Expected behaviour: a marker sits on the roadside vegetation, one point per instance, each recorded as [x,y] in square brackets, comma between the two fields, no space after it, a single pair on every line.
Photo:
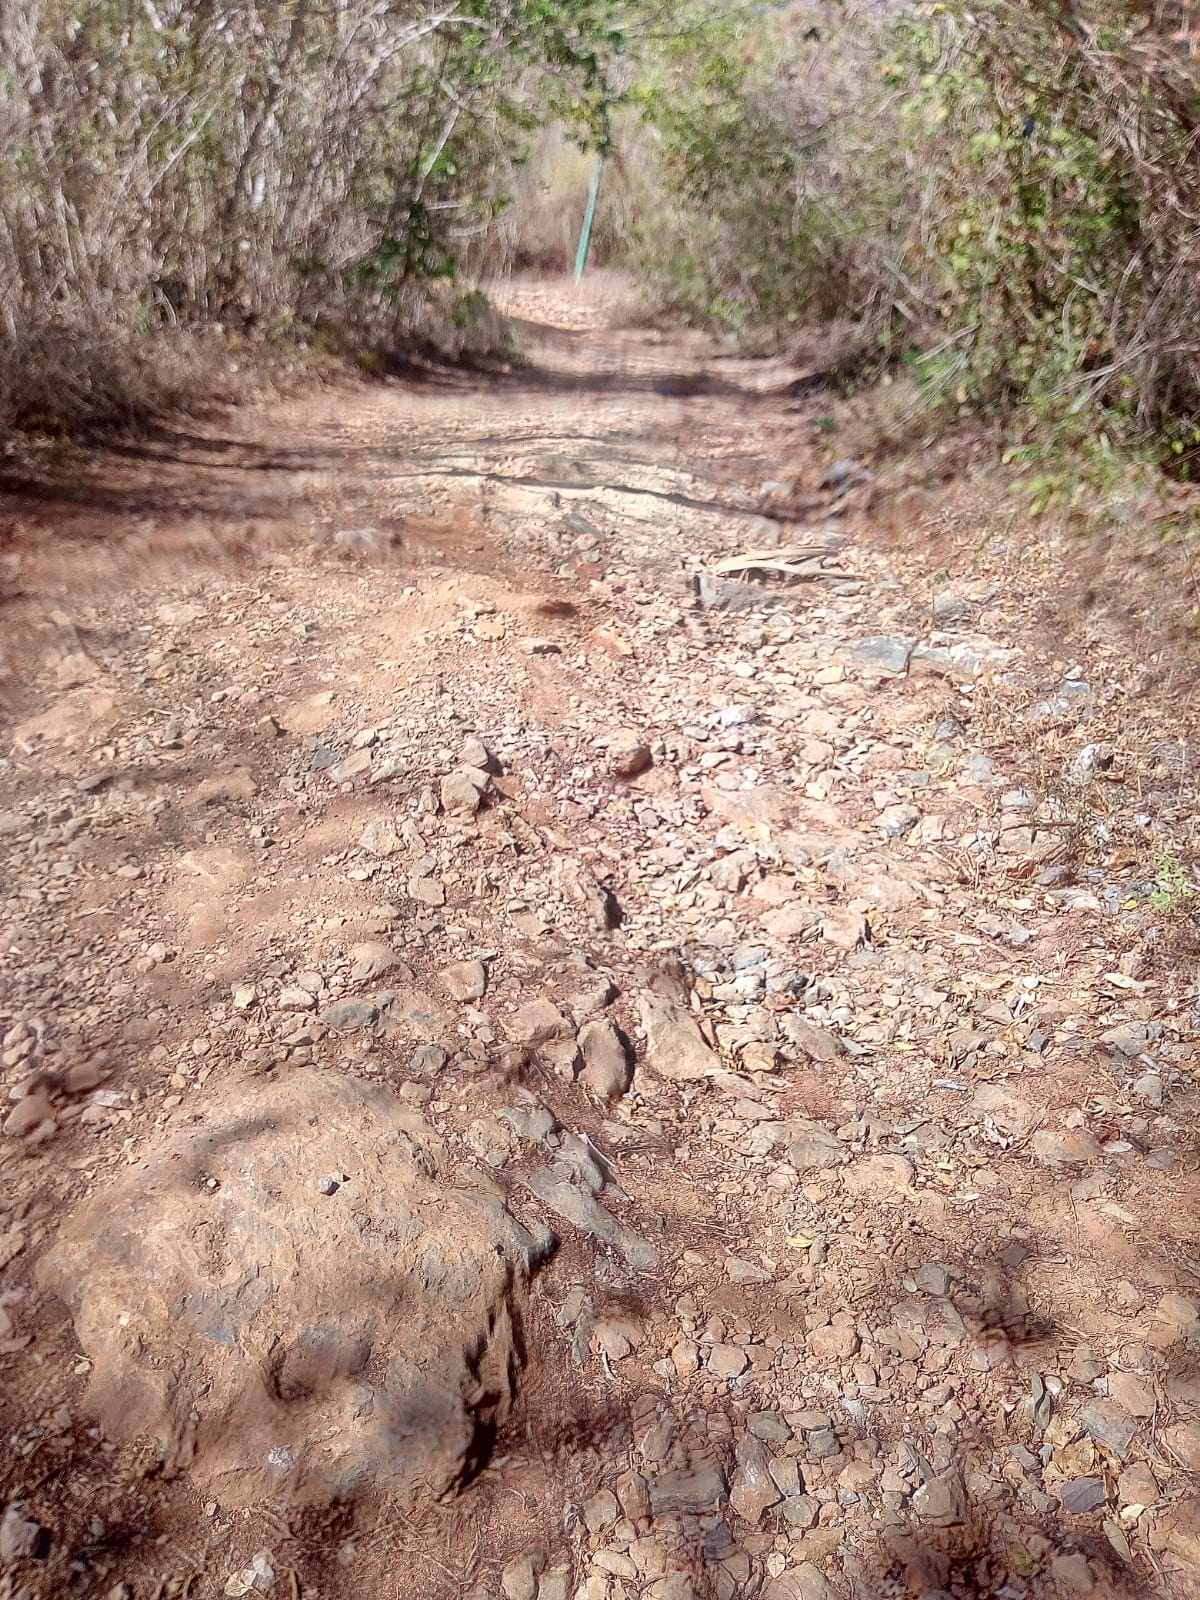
[291,172]
[999,204]
[1001,201]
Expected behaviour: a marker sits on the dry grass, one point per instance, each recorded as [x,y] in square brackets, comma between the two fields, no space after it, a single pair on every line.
[57,379]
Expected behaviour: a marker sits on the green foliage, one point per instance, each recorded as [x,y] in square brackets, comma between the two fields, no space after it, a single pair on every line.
[1174,892]
[771,192]
[1032,215]
[1007,193]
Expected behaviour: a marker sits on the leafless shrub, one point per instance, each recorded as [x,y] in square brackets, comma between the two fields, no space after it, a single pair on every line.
[280,168]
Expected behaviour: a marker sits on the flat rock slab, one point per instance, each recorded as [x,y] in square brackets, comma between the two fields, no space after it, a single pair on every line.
[557,1189]
[296,1299]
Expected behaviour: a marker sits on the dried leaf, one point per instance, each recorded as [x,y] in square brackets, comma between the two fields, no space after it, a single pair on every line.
[1021,1561]
[1074,1460]
[1116,1538]
[1062,1430]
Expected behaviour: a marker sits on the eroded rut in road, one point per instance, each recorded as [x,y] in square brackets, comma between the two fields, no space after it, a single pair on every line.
[544,1062]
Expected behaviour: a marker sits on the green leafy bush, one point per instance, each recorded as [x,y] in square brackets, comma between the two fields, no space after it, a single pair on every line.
[777,201]
[1058,151]
[1010,193]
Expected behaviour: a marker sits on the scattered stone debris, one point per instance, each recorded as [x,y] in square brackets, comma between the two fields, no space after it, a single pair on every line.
[791,944]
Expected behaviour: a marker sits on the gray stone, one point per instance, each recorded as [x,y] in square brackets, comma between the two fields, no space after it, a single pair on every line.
[1073,1148]
[1093,758]
[1137,1485]
[519,1580]
[673,1586]
[729,873]
[881,653]
[1107,1424]
[1073,1574]
[940,1500]
[294,998]
[1183,1442]
[538,1023]
[606,1070]
[462,791]
[801,1510]
[289,1365]
[769,1426]
[979,768]
[753,1490]
[20,1536]
[465,980]
[600,1512]
[476,754]
[1011,1114]
[29,1114]
[379,838]
[1132,1394]
[727,1360]
[352,1016]
[532,1123]
[822,1443]
[813,1147]
[948,608]
[675,1047]
[430,891]
[355,764]
[803,1582]
[1081,1495]
[585,1212]
[739,1271]
[898,820]
[371,960]
[1148,1089]
[694,1490]
[818,1044]
[628,753]
[932,1278]
[1178,1312]
[428,1060]
[555,1584]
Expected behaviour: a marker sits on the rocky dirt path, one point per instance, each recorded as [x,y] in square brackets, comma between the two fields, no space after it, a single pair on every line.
[544,1057]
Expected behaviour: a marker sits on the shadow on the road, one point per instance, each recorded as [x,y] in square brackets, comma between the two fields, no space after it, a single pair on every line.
[532,378]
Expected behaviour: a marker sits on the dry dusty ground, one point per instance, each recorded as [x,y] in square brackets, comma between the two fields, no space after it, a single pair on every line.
[882,1278]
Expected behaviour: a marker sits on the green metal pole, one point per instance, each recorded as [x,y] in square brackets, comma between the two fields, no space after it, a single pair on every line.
[585,238]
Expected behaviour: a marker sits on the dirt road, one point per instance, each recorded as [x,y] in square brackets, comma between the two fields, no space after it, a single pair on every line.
[800,941]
